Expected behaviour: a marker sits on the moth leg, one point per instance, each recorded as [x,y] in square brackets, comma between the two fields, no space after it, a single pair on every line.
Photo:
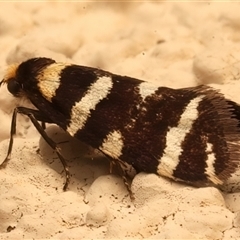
[23,111]
[40,117]
[36,113]
[35,116]
[10,145]
[121,168]
[43,125]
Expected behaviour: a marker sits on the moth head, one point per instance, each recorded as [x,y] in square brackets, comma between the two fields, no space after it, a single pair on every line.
[19,77]
[13,85]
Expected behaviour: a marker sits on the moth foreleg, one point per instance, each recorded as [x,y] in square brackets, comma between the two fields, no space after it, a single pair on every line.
[12,133]
[35,116]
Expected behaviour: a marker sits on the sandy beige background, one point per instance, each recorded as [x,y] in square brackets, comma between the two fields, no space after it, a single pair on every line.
[171,44]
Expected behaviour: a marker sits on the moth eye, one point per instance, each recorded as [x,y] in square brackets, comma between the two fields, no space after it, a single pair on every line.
[13,86]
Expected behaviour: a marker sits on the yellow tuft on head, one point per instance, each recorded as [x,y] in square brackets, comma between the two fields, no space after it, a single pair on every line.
[10,72]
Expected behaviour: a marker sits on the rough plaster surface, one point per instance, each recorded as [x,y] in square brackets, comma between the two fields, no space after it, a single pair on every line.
[171,44]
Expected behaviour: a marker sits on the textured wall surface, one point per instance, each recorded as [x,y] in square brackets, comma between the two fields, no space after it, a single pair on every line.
[171,44]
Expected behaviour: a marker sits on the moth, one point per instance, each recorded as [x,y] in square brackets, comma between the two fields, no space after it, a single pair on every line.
[188,134]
